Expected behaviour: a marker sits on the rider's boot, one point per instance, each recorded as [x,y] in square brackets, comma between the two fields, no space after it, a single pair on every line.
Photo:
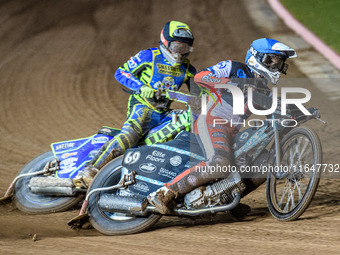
[109,151]
[85,177]
[163,199]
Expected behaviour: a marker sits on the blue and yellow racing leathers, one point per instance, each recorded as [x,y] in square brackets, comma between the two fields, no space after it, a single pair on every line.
[148,67]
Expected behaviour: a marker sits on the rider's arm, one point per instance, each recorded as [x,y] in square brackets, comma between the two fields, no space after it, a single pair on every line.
[218,73]
[129,74]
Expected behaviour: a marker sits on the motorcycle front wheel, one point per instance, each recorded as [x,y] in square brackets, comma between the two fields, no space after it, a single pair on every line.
[32,203]
[109,223]
[292,186]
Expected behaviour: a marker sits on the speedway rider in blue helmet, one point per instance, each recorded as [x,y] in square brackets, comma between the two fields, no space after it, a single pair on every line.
[266,58]
[166,67]
[265,61]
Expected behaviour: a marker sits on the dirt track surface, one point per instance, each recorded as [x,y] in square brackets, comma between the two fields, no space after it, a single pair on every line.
[56,79]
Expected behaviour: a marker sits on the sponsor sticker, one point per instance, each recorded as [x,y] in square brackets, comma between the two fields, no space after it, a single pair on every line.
[192,180]
[167,173]
[66,155]
[101,139]
[141,186]
[244,136]
[169,70]
[69,164]
[176,160]
[65,146]
[156,156]
[147,167]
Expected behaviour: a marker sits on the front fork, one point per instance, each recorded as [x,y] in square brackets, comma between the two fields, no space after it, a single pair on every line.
[276,171]
[277,143]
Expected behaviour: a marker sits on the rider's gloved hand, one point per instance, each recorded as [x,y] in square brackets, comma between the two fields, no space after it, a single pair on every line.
[315,112]
[146,91]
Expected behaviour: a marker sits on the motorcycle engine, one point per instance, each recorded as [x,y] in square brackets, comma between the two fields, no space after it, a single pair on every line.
[218,193]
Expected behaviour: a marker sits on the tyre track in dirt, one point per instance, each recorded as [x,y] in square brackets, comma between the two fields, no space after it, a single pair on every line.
[56,80]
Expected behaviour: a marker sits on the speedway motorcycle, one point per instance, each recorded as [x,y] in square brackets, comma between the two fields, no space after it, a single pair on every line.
[286,155]
[44,185]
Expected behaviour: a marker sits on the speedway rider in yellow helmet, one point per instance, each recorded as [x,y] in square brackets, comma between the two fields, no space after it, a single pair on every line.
[166,67]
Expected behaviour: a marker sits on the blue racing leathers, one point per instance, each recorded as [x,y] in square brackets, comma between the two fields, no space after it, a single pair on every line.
[150,68]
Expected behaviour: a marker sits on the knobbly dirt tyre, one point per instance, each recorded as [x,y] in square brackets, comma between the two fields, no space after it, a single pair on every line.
[31,203]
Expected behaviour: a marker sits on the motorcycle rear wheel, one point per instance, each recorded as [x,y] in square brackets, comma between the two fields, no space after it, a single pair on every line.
[32,203]
[114,223]
[289,196]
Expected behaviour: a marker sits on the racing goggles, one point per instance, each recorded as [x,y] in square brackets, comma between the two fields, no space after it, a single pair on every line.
[180,47]
[275,63]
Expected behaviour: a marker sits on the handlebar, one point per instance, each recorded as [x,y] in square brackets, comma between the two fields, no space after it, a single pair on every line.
[169,94]
[158,94]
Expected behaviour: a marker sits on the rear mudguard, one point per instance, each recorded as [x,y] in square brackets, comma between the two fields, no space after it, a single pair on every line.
[74,154]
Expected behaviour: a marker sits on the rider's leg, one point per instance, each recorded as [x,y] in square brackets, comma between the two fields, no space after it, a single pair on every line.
[169,131]
[215,141]
[136,126]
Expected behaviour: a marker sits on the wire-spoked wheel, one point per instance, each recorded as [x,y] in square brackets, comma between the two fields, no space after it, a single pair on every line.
[110,223]
[292,186]
[33,203]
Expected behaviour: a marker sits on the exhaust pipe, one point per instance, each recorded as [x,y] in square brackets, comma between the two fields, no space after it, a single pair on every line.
[125,204]
[140,207]
[53,186]
[50,166]
[210,210]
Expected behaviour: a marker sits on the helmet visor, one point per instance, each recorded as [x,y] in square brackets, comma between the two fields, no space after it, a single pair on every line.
[180,47]
[275,62]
